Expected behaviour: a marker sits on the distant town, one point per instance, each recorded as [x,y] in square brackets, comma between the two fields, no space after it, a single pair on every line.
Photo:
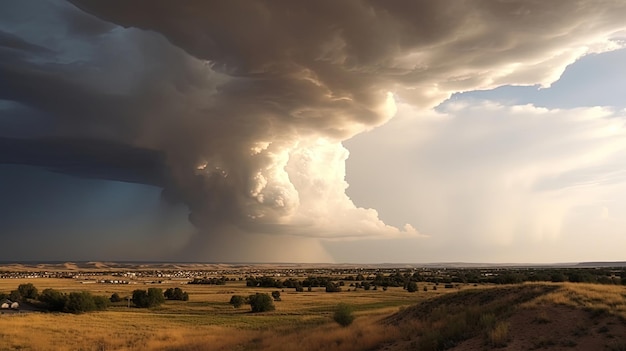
[603,273]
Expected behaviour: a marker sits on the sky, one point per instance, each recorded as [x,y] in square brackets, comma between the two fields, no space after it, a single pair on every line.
[313,131]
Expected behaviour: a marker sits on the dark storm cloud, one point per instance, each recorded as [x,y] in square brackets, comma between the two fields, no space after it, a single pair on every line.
[11,43]
[248,101]
[87,158]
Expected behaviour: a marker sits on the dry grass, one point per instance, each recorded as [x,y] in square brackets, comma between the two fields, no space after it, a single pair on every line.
[593,297]
[206,321]
[302,321]
[499,335]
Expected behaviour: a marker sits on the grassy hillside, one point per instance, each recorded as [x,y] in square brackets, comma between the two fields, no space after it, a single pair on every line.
[520,317]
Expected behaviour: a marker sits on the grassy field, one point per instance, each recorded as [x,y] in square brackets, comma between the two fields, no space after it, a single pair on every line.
[488,317]
[205,322]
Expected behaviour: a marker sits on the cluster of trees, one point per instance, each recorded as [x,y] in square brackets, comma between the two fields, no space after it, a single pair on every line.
[265,282]
[258,302]
[152,297]
[308,282]
[556,275]
[176,294]
[407,281]
[24,292]
[57,301]
[79,302]
[209,281]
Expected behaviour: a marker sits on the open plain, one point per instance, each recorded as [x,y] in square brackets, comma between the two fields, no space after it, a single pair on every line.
[459,316]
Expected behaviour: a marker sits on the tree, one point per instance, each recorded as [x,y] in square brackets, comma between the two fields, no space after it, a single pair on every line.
[80,302]
[115,298]
[276,295]
[53,299]
[101,302]
[411,286]
[332,287]
[261,303]
[15,295]
[343,315]
[237,301]
[176,294]
[27,291]
[146,299]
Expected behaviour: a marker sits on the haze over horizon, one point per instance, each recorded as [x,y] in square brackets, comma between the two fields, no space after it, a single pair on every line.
[313,131]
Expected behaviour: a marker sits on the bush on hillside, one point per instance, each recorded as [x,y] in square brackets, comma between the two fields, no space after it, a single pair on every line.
[343,315]
[261,303]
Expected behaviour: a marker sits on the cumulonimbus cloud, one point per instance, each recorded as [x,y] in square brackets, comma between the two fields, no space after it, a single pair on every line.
[248,102]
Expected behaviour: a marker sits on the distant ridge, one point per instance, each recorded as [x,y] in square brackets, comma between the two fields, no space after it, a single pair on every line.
[169,265]
[603,264]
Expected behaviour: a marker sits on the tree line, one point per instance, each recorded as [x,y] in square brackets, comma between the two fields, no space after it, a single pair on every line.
[80,302]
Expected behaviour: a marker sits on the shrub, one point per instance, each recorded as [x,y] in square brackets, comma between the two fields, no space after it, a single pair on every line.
[411,287]
[115,298]
[237,301]
[276,295]
[261,302]
[343,315]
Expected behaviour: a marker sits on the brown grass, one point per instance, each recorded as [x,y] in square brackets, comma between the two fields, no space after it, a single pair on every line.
[593,297]
[206,321]
[499,335]
[302,321]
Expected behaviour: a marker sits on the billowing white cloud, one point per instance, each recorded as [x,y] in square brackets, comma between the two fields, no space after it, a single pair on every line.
[510,183]
[249,103]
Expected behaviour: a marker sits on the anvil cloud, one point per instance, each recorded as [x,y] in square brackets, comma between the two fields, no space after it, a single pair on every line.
[239,110]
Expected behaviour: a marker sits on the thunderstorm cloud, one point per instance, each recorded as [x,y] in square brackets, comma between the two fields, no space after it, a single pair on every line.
[239,110]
